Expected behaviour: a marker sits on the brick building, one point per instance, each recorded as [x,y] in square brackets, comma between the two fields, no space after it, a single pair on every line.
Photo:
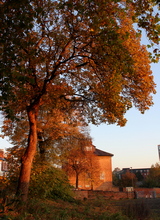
[103,169]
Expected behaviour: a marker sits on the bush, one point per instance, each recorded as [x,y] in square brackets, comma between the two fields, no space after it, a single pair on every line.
[50,183]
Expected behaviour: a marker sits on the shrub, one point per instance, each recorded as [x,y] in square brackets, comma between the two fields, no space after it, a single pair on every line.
[50,183]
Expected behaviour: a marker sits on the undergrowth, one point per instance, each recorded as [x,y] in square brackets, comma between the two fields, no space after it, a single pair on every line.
[40,209]
[96,209]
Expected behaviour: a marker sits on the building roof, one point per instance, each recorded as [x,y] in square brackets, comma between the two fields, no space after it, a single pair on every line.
[135,169]
[102,153]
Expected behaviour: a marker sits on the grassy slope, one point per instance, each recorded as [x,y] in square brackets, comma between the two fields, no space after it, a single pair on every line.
[98,209]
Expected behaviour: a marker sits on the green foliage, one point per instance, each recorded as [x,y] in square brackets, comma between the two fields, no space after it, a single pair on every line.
[50,183]
[116,181]
[139,176]
[116,177]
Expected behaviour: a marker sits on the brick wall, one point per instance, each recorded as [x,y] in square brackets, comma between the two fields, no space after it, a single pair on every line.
[116,195]
[88,194]
[157,190]
[110,195]
[81,194]
[105,167]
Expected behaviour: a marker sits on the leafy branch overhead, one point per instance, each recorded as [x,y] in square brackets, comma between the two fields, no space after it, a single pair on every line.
[85,45]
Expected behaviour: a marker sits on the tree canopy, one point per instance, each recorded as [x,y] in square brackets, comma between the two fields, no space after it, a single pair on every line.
[85,53]
[62,46]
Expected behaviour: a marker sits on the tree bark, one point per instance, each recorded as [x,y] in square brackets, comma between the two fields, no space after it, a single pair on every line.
[91,184]
[27,159]
[77,180]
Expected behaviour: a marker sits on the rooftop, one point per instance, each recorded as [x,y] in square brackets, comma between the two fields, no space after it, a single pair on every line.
[102,153]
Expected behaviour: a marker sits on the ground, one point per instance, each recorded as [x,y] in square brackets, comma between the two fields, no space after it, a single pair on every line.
[97,209]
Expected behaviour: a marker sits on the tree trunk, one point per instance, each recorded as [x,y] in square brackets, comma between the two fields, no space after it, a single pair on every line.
[91,184]
[28,156]
[77,180]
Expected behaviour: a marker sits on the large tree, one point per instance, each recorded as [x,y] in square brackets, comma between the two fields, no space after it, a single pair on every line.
[76,164]
[84,52]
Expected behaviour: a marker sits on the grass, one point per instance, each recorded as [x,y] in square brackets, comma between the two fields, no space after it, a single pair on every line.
[96,209]
[38,209]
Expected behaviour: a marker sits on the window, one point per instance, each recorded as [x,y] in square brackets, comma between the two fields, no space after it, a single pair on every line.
[4,166]
[88,148]
[102,176]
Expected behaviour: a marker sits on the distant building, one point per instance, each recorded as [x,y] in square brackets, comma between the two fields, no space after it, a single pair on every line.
[140,171]
[143,171]
[3,163]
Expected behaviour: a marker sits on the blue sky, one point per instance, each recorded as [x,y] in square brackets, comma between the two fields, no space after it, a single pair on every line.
[134,145]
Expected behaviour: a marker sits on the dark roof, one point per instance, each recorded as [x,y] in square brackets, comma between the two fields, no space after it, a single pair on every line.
[102,153]
[135,169]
